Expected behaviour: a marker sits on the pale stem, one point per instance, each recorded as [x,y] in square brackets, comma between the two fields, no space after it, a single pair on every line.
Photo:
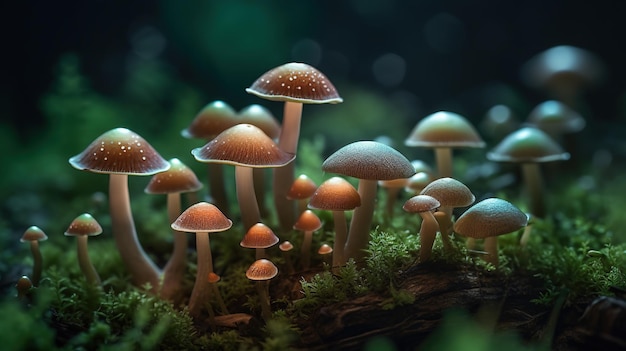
[523,241]
[245,196]
[428,232]
[444,218]
[263,287]
[534,187]
[218,296]
[491,247]
[141,268]
[341,233]
[359,233]
[174,270]
[37,262]
[259,190]
[443,155]
[306,249]
[84,262]
[200,295]
[217,188]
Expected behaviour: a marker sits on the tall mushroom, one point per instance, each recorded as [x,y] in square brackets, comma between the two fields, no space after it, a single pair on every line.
[424,205]
[443,131]
[176,180]
[295,84]
[202,218]
[368,161]
[487,220]
[307,223]
[33,235]
[121,152]
[82,227]
[529,146]
[245,147]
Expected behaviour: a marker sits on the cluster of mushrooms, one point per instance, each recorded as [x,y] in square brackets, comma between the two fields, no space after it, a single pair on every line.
[252,140]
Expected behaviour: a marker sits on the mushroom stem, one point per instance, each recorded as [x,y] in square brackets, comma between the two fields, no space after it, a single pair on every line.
[283,176]
[444,218]
[201,289]
[341,233]
[246,197]
[526,235]
[218,296]
[263,287]
[174,270]
[443,156]
[491,247]
[216,187]
[428,232]
[37,262]
[141,268]
[260,253]
[306,249]
[534,187]
[359,234]
[84,262]
[259,190]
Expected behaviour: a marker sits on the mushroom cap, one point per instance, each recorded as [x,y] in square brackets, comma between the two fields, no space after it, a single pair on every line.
[325,249]
[261,117]
[418,181]
[202,217]
[308,222]
[301,188]
[33,233]
[335,194]
[213,278]
[214,118]
[295,82]
[450,192]
[178,179]
[120,151]
[369,160]
[82,225]
[421,203]
[490,217]
[259,236]
[243,145]
[262,269]
[444,129]
[285,246]
[527,145]
[554,116]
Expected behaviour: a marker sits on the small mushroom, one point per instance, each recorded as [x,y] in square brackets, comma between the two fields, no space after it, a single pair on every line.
[325,251]
[308,222]
[301,190]
[33,235]
[82,227]
[259,237]
[23,286]
[424,205]
[262,271]
[285,247]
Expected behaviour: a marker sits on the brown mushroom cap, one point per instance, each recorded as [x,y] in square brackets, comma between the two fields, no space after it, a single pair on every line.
[295,82]
[285,246]
[308,221]
[556,117]
[213,119]
[120,151]
[261,117]
[243,145]
[490,217]
[178,179]
[325,249]
[202,217]
[369,160]
[82,225]
[301,188]
[262,269]
[335,194]
[259,236]
[449,192]
[421,203]
[527,145]
[33,233]
[444,129]
[213,278]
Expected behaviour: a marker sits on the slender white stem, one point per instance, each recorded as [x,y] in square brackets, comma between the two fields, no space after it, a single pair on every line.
[534,187]
[174,270]
[341,233]
[428,233]
[246,197]
[359,233]
[201,292]
[491,247]
[37,262]
[443,155]
[84,262]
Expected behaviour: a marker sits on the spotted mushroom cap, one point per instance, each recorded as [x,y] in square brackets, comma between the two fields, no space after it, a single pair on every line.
[449,192]
[243,145]
[527,145]
[335,194]
[262,269]
[369,160]
[82,225]
[421,203]
[202,217]
[444,129]
[554,116]
[33,233]
[178,179]
[214,118]
[120,151]
[295,82]
[490,217]
[259,236]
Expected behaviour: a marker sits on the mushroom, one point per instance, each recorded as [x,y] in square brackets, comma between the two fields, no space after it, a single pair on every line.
[214,118]
[487,220]
[325,251]
[23,286]
[450,193]
[176,180]
[499,121]
[369,161]
[308,222]
[424,205]
[259,237]
[285,247]
[33,235]
[262,271]
[556,118]
[82,227]
[245,147]
[202,218]
[295,84]
[301,190]
[529,146]
[444,131]
[121,152]
[337,195]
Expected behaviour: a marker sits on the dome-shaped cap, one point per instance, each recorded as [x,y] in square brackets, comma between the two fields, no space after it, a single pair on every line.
[335,194]
[285,246]
[243,145]
[296,82]
[529,145]
[490,217]
[556,117]
[259,236]
[33,233]
[449,192]
[308,221]
[369,160]
[261,117]
[178,179]
[120,151]
[444,129]
[82,225]
[202,217]
[325,249]
[262,269]
[213,119]
[421,203]
[301,188]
